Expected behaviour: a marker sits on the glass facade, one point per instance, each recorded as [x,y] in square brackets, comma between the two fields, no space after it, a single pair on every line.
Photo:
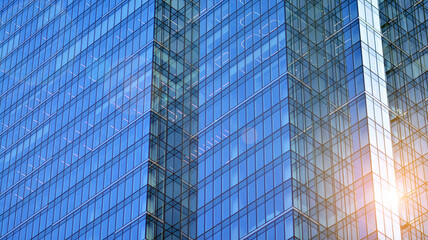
[213,119]
[405,40]
[244,164]
[76,93]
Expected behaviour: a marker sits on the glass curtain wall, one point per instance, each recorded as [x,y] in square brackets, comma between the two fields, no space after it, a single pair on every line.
[75,96]
[172,198]
[404,27]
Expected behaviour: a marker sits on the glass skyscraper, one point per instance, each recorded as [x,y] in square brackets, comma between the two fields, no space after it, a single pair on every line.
[214,119]
[405,46]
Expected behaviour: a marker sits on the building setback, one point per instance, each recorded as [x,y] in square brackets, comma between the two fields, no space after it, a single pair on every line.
[214,119]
